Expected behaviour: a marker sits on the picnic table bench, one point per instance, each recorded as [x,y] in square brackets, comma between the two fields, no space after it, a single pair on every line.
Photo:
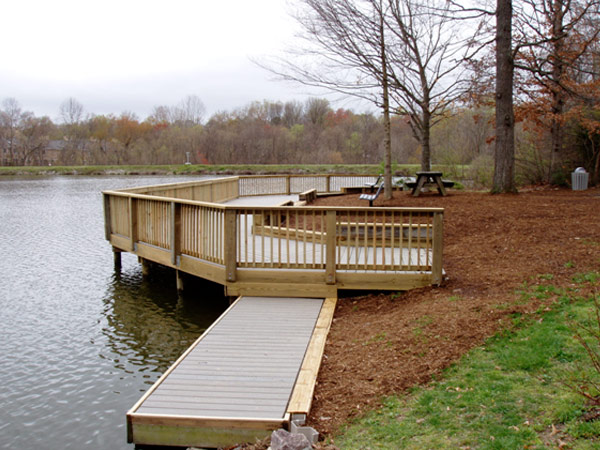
[429,179]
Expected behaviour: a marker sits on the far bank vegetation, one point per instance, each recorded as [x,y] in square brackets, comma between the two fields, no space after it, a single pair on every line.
[269,132]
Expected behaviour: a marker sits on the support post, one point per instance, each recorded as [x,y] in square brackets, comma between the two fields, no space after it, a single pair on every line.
[145,267]
[288,188]
[133,225]
[179,279]
[117,258]
[328,183]
[330,240]
[438,247]
[107,226]
[175,232]
[230,244]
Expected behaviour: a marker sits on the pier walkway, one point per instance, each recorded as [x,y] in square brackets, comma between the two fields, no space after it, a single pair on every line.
[245,376]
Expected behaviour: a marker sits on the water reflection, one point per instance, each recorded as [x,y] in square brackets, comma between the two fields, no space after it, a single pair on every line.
[149,324]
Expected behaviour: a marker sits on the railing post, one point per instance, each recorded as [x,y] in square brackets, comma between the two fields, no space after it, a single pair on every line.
[328,183]
[107,224]
[229,238]
[331,243]
[438,246]
[133,225]
[175,228]
[288,184]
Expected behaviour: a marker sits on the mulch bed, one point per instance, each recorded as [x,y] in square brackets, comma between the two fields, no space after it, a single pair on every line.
[384,343]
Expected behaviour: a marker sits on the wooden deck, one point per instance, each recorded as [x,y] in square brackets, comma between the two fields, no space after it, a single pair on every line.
[238,381]
[235,231]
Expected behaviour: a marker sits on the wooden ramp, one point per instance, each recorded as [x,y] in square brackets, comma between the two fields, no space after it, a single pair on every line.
[238,381]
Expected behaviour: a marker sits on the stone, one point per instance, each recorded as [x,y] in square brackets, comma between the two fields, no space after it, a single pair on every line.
[284,440]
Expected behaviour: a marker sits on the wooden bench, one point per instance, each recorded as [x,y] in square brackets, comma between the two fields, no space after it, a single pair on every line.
[308,196]
[371,197]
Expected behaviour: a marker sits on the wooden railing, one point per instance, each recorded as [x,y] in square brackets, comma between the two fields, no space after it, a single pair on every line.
[261,246]
[227,188]
[213,190]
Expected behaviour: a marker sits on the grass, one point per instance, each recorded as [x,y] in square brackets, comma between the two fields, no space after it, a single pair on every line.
[198,169]
[508,394]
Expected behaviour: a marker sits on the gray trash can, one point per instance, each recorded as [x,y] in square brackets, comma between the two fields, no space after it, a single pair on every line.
[579,179]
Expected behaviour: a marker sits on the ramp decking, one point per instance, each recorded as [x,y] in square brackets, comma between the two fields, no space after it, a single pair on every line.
[234,384]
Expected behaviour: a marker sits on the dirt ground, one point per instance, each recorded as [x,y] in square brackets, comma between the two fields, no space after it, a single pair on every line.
[384,343]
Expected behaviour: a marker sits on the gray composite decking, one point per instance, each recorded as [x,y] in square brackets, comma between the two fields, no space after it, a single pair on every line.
[245,366]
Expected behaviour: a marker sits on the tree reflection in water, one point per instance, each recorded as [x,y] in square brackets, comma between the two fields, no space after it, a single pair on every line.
[149,324]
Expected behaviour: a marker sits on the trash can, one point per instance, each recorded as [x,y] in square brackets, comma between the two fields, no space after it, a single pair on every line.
[579,179]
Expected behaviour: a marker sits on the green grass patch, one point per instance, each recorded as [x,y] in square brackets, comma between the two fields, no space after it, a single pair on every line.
[508,394]
[211,169]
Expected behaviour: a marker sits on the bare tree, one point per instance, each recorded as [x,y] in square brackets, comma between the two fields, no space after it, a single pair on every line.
[189,112]
[71,114]
[426,63]
[71,111]
[34,138]
[292,113]
[404,56]
[10,122]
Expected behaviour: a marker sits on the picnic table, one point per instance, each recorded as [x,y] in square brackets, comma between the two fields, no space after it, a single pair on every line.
[429,179]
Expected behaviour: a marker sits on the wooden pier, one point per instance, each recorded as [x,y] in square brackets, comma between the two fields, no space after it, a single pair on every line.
[276,250]
[246,376]
[256,367]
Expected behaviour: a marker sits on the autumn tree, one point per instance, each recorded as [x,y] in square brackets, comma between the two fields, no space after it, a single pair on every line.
[551,45]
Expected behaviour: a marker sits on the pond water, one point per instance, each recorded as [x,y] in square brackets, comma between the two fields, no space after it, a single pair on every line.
[80,342]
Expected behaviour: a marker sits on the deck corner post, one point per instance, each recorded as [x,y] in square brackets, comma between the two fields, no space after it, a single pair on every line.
[230,244]
[330,240]
[129,429]
[438,247]
[117,258]
[107,225]
[175,232]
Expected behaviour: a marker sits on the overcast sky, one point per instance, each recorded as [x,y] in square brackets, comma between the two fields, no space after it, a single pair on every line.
[131,55]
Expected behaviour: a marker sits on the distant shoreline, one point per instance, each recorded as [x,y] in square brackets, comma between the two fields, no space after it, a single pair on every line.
[217,169]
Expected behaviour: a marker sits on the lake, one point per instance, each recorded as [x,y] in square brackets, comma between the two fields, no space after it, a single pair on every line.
[81,342]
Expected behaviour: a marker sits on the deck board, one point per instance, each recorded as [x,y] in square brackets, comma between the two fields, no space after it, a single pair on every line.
[244,368]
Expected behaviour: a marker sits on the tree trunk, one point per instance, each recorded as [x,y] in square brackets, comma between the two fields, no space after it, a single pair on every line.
[388,189]
[425,142]
[504,154]
[557,92]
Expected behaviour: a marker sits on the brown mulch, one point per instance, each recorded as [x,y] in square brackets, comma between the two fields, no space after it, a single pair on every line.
[384,343]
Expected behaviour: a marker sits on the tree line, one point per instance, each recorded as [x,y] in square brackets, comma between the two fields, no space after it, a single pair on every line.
[272,132]
[266,132]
